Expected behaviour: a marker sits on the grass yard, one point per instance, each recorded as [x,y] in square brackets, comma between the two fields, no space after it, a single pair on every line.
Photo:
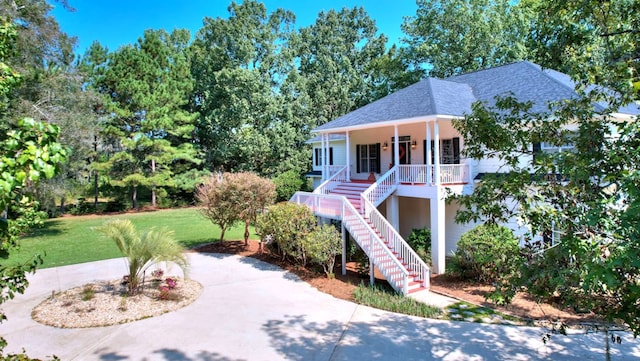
[72,240]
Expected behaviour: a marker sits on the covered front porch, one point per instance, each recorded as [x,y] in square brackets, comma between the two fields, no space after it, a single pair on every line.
[427,152]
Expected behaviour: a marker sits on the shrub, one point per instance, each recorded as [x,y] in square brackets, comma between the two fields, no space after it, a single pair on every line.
[115,205]
[322,246]
[220,199]
[232,197]
[287,184]
[487,253]
[286,224]
[420,241]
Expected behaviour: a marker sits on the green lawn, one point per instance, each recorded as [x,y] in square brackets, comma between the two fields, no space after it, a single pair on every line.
[73,240]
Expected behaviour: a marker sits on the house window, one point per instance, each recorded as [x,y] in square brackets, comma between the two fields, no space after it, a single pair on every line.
[318,156]
[368,158]
[449,151]
[551,148]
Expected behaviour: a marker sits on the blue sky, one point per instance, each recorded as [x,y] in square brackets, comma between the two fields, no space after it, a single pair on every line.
[118,22]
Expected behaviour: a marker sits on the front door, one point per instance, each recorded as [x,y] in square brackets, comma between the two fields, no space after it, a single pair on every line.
[404,150]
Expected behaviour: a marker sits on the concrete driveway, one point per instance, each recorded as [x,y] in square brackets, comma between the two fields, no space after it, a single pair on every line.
[251,310]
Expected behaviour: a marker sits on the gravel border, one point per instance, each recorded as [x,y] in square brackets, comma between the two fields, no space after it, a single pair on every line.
[105,303]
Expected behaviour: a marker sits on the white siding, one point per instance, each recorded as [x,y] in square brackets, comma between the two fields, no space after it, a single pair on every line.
[339,154]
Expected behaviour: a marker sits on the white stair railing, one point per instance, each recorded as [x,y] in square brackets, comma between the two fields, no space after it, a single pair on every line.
[374,247]
[382,188]
[370,199]
[327,186]
[395,242]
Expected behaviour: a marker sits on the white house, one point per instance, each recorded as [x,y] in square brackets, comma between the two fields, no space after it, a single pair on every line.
[402,154]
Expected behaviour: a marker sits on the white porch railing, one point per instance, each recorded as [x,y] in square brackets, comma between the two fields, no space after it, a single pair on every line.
[334,169]
[340,176]
[417,174]
[387,262]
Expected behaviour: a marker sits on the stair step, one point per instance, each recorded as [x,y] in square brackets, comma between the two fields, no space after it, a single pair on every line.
[418,289]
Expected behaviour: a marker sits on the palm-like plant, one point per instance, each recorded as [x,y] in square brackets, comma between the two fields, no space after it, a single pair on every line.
[143,250]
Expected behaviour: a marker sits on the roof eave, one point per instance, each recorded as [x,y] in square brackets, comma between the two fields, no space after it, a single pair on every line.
[389,123]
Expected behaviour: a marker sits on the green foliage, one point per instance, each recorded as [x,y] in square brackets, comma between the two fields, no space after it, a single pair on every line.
[590,194]
[322,246]
[285,226]
[487,253]
[29,152]
[143,251]
[146,89]
[386,299]
[287,184]
[436,41]
[420,241]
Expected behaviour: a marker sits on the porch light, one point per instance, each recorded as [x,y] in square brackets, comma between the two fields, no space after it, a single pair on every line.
[385,145]
[414,144]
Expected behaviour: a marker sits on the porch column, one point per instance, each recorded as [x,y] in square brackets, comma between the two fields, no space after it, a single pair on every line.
[436,152]
[325,154]
[344,248]
[437,232]
[321,154]
[348,160]
[396,145]
[393,211]
[428,162]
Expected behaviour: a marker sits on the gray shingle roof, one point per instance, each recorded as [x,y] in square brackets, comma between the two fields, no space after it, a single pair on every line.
[455,95]
[426,97]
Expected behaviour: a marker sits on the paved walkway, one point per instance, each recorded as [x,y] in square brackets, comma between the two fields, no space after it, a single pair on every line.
[250,310]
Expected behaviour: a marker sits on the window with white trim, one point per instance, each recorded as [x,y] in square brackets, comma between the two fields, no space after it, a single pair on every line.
[368,158]
[318,156]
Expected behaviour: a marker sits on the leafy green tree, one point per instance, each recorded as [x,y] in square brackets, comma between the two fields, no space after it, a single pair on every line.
[51,90]
[596,41]
[335,55]
[29,152]
[238,66]
[449,37]
[588,194]
[143,250]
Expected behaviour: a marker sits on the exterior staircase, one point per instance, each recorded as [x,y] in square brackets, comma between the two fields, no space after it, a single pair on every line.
[352,192]
[354,203]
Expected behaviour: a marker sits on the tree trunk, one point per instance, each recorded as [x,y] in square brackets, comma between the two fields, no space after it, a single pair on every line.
[153,185]
[246,232]
[95,190]
[222,233]
[95,175]
[134,196]
[62,199]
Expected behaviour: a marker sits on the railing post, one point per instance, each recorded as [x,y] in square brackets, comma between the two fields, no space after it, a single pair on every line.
[405,286]
[344,243]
